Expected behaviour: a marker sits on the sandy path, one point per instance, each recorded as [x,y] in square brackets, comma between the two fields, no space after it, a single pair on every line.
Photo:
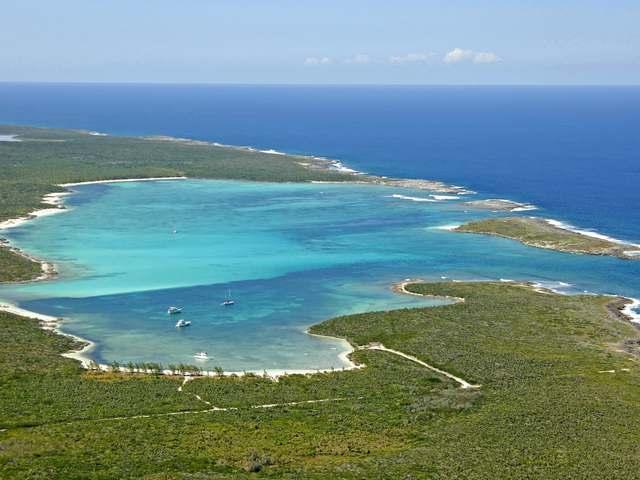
[378,346]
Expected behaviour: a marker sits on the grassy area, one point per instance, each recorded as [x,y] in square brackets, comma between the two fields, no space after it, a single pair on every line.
[33,167]
[16,268]
[544,410]
[536,232]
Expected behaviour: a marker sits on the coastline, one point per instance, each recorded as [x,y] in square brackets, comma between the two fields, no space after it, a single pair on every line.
[401,288]
[631,310]
[55,201]
[588,233]
[550,234]
[57,205]
[120,180]
[54,324]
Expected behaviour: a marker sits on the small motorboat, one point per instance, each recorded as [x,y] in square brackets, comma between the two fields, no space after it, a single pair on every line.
[202,356]
[172,310]
[183,323]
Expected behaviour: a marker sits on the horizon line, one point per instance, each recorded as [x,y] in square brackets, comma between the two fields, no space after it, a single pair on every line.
[304,84]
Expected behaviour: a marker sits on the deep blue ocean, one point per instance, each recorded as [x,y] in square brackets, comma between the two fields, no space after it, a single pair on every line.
[573,151]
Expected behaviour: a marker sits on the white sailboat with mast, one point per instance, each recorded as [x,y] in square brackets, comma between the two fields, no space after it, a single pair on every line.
[228,301]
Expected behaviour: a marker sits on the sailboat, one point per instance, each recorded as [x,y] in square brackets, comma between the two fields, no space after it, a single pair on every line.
[228,301]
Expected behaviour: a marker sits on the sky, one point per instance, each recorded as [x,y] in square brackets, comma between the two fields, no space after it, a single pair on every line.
[321,42]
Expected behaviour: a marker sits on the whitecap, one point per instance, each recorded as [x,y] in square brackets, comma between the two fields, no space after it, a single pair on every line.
[413,199]
[445,197]
[553,286]
[449,227]
[632,310]
[271,151]
[588,233]
[9,138]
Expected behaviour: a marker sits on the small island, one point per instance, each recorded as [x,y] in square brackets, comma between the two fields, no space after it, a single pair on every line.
[542,233]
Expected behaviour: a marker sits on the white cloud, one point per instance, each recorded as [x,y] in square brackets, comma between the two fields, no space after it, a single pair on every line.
[317,61]
[412,58]
[486,57]
[458,55]
[360,58]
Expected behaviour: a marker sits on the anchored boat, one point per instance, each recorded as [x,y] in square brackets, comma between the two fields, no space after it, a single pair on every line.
[228,301]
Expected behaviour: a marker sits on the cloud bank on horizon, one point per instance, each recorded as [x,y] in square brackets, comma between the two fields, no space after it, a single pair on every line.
[457,55]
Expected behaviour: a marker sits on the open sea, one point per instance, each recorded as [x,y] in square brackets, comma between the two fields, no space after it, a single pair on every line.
[293,255]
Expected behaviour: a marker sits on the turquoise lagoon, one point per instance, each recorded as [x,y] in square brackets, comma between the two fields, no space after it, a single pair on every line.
[292,255]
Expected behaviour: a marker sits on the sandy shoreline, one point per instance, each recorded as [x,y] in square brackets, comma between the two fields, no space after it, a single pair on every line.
[401,287]
[50,323]
[120,180]
[56,202]
[47,322]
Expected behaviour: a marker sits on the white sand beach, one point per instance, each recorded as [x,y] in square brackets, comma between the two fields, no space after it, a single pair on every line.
[48,322]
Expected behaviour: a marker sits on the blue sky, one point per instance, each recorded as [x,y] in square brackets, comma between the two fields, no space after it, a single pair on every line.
[348,41]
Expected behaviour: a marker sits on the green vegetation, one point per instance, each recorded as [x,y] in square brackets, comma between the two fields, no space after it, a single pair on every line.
[44,158]
[537,232]
[17,268]
[549,405]
[47,157]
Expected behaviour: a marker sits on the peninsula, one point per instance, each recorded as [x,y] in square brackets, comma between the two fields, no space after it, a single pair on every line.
[542,233]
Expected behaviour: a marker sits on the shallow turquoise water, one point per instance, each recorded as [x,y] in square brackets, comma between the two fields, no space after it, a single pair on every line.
[292,255]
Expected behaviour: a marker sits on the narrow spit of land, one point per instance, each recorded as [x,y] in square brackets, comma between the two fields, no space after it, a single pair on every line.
[541,233]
